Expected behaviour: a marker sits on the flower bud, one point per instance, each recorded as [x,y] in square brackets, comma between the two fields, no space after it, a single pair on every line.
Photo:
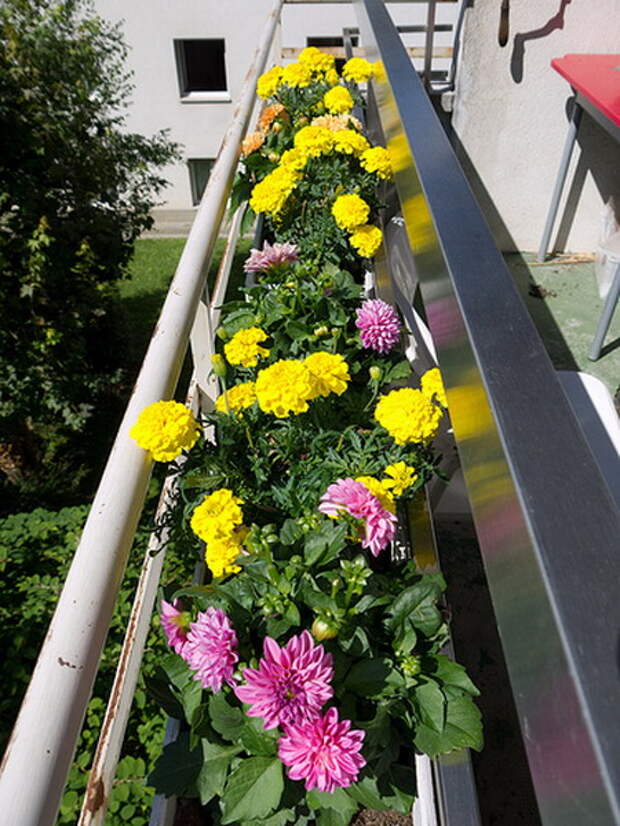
[375,373]
[323,630]
[321,331]
[218,365]
[273,157]
[276,127]
[222,333]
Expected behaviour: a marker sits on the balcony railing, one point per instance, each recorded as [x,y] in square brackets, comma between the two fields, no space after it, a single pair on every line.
[546,523]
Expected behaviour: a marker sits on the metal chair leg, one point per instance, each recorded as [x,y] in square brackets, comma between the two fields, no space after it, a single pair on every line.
[606,316]
[571,136]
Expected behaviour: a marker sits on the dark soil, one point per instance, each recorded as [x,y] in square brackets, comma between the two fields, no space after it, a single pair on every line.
[368,817]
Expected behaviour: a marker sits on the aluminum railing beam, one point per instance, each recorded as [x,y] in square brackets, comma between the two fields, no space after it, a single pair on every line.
[39,754]
[546,522]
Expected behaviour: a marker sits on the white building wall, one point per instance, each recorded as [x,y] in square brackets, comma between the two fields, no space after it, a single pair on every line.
[510,117]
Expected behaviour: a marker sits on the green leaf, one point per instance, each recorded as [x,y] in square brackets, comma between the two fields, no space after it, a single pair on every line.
[369,678]
[256,740]
[401,780]
[297,330]
[177,768]
[212,777]
[366,793]
[191,696]
[325,543]
[158,686]
[431,705]
[226,720]
[463,729]
[451,673]
[253,789]
[337,803]
[416,605]
[290,532]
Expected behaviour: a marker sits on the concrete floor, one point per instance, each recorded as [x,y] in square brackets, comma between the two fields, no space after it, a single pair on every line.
[562,297]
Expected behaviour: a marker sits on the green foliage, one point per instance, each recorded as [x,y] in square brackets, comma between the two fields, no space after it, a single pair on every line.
[76,190]
[35,553]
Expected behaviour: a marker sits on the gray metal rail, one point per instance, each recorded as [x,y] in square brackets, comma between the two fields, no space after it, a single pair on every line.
[548,528]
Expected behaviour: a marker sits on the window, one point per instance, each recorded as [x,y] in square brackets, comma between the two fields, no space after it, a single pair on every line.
[199,171]
[201,69]
[322,42]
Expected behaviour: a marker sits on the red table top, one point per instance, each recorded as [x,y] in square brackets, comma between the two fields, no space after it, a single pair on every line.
[596,77]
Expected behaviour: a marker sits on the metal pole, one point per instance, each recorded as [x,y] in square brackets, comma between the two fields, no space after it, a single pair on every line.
[39,754]
[428,45]
[571,136]
[606,316]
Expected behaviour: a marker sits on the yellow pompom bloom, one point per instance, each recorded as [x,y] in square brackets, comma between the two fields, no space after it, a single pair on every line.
[270,194]
[236,398]
[315,60]
[268,83]
[338,100]
[244,347]
[330,373]
[350,142]
[165,429]
[432,387]
[293,159]
[366,240]
[296,75]
[221,554]
[377,160]
[217,516]
[336,123]
[357,70]
[331,77]
[401,476]
[313,141]
[350,211]
[379,490]
[408,416]
[284,388]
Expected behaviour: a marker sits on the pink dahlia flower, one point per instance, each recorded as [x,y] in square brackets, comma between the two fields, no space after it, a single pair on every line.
[290,685]
[271,257]
[355,498]
[378,325]
[175,624]
[211,649]
[324,752]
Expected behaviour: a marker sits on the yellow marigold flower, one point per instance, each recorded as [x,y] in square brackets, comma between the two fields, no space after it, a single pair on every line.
[336,123]
[316,60]
[296,75]
[331,77]
[401,477]
[432,387]
[284,388]
[244,347]
[408,416]
[350,211]
[313,141]
[250,144]
[350,142]
[236,398]
[357,70]
[268,115]
[366,240]
[221,554]
[268,83]
[330,373]
[217,516]
[294,159]
[338,100]
[270,194]
[377,159]
[165,429]
[378,489]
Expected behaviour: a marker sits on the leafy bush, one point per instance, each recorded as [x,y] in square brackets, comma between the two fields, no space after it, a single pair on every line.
[35,552]
[75,192]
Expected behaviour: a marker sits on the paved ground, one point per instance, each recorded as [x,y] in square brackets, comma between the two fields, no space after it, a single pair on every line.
[563,299]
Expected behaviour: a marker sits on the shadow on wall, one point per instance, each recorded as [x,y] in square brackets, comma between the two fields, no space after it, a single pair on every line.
[596,147]
[518,46]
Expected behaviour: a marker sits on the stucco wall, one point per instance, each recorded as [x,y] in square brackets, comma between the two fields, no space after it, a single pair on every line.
[510,119]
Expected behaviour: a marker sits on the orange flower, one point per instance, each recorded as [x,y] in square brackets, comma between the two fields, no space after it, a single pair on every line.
[252,143]
[268,115]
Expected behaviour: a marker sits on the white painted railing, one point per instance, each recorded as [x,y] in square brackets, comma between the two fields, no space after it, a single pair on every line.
[39,754]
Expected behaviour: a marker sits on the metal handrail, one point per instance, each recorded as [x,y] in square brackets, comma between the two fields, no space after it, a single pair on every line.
[546,522]
[39,754]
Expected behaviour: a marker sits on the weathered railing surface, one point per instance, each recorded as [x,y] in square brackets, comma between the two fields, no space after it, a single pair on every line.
[547,526]
[41,749]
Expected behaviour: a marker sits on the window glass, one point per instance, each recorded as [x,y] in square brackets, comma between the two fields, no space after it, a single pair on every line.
[199,171]
[201,66]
